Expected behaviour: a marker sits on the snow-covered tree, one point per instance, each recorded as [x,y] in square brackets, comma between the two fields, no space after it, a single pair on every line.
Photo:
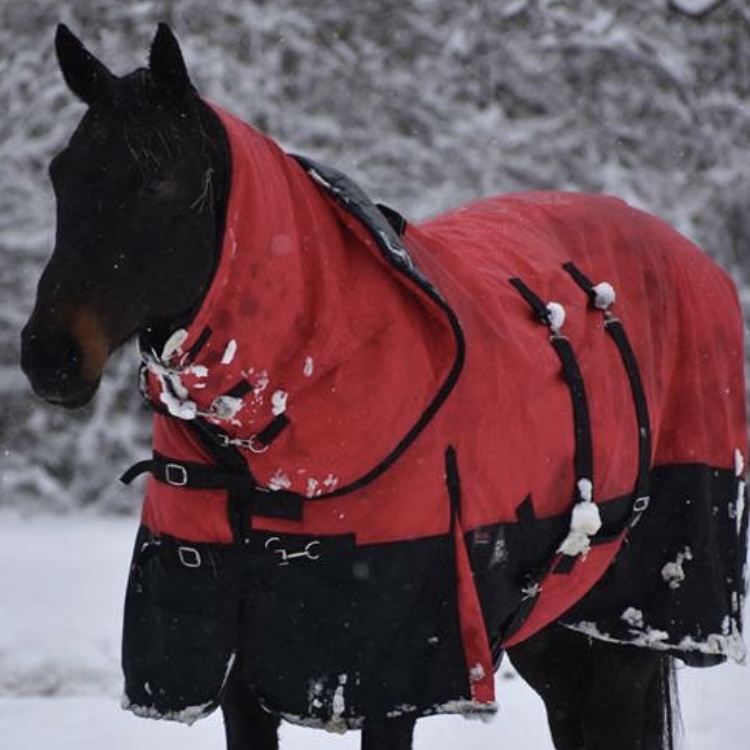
[427,103]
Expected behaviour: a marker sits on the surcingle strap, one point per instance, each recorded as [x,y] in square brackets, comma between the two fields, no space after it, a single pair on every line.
[552,314]
[585,519]
[602,297]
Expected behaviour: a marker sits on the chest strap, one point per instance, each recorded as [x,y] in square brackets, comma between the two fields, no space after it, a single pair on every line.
[258,500]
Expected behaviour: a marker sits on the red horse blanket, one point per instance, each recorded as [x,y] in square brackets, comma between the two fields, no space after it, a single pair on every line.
[383,453]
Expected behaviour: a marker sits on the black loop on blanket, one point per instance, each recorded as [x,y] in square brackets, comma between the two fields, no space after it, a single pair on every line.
[584,452]
[616,330]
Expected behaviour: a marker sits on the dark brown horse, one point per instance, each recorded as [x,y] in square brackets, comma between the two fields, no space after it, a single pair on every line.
[142,190]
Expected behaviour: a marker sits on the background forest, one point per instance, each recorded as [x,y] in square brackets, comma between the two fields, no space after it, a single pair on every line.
[427,103]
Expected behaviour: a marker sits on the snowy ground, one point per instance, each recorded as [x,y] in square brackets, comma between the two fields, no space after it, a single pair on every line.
[61,584]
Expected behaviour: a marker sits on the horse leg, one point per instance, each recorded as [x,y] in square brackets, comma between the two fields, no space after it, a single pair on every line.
[598,695]
[631,699]
[247,725]
[391,734]
[556,664]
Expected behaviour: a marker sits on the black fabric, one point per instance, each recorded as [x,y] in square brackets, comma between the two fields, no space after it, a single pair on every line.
[395,219]
[634,601]
[509,561]
[291,606]
[180,627]
[379,624]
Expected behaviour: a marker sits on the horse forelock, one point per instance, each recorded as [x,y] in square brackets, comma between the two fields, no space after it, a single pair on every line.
[140,117]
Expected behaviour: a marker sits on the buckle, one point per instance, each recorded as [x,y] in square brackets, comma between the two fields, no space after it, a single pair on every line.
[189,557]
[641,503]
[176,475]
[250,443]
[639,506]
[311,550]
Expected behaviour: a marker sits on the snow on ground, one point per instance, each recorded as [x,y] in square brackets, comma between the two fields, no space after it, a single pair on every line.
[61,586]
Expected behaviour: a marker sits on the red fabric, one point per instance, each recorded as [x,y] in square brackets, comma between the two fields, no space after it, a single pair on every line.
[360,350]
[473,633]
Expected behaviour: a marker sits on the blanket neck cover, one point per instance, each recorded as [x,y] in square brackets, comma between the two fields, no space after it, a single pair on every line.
[381,457]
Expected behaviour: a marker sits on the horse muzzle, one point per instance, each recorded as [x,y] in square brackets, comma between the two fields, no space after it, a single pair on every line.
[64,365]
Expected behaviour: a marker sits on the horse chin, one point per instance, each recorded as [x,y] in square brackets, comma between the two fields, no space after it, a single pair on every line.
[72,398]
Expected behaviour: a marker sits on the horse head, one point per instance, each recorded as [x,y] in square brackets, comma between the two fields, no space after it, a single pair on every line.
[140,191]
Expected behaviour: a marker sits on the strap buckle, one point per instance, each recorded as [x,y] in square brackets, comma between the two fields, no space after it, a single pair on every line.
[311,550]
[189,557]
[175,475]
[640,504]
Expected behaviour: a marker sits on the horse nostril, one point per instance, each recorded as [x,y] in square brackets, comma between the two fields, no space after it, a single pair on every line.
[70,357]
[50,359]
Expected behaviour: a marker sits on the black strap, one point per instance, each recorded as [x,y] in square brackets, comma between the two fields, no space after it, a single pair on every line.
[534,301]
[616,330]
[272,430]
[584,454]
[200,342]
[239,509]
[256,443]
[453,482]
[239,389]
[195,476]
[583,459]
[582,280]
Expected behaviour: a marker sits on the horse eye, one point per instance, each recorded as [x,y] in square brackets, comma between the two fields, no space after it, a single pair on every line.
[158,186]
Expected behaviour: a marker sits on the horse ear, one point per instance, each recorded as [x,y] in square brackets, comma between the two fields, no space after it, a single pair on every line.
[166,62]
[86,77]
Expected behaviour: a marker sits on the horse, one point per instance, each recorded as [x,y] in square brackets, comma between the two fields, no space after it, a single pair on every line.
[261,556]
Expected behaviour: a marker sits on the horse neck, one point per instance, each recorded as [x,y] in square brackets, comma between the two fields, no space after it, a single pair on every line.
[289,275]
